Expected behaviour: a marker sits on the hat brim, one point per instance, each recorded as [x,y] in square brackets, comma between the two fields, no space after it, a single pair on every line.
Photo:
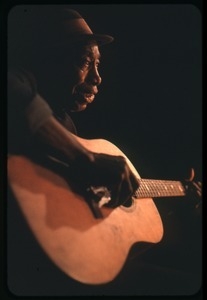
[100,39]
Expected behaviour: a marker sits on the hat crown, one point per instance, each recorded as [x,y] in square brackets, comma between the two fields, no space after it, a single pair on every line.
[74,24]
[50,25]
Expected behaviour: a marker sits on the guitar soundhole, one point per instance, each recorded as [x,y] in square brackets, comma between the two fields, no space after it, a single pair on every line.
[129,205]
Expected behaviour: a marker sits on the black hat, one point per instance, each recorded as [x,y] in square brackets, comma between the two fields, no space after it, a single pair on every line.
[76,28]
[50,26]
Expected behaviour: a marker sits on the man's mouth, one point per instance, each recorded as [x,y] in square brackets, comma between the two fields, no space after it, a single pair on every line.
[81,100]
[89,98]
[86,98]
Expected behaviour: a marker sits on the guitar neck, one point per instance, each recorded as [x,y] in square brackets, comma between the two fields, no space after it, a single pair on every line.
[159,188]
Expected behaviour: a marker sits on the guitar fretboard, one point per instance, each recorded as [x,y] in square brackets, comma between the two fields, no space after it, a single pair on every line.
[159,188]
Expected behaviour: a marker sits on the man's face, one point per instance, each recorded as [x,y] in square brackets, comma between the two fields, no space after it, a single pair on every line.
[86,79]
[70,80]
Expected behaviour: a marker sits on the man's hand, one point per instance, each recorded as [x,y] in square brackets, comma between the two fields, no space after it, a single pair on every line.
[106,170]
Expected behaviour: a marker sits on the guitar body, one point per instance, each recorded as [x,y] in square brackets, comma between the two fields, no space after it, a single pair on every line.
[88,249]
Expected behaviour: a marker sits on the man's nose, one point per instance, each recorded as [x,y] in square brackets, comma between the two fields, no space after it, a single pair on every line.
[94,76]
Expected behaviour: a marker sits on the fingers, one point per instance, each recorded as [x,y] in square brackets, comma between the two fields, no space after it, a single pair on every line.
[192,174]
[112,172]
[124,190]
[197,186]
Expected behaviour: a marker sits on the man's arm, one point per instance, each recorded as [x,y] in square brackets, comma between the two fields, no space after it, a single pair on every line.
[56,136]
[89,168]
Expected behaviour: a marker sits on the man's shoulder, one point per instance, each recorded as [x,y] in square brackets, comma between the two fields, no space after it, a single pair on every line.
[21,82]
[16,73]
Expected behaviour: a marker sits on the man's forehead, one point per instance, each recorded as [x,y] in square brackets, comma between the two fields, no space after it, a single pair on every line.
[91,50]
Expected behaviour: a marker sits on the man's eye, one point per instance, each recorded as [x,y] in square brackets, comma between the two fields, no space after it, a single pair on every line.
[85,63]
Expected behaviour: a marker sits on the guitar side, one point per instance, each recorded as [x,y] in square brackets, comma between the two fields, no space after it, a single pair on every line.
[87,249]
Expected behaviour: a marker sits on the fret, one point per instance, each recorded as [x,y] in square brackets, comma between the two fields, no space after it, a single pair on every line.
[159,188]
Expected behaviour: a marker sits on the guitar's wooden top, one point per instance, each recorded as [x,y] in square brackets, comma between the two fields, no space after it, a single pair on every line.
[89,250]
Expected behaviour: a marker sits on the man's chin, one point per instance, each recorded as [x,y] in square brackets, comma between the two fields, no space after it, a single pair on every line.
[78,107]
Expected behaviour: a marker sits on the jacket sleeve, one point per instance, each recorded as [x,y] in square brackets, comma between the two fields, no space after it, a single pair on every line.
[26,109]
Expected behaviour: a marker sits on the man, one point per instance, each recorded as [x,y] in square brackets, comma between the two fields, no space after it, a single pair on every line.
[53,73]
[52,77]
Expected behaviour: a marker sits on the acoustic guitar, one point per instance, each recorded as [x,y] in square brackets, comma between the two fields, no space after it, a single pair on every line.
[87,248]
